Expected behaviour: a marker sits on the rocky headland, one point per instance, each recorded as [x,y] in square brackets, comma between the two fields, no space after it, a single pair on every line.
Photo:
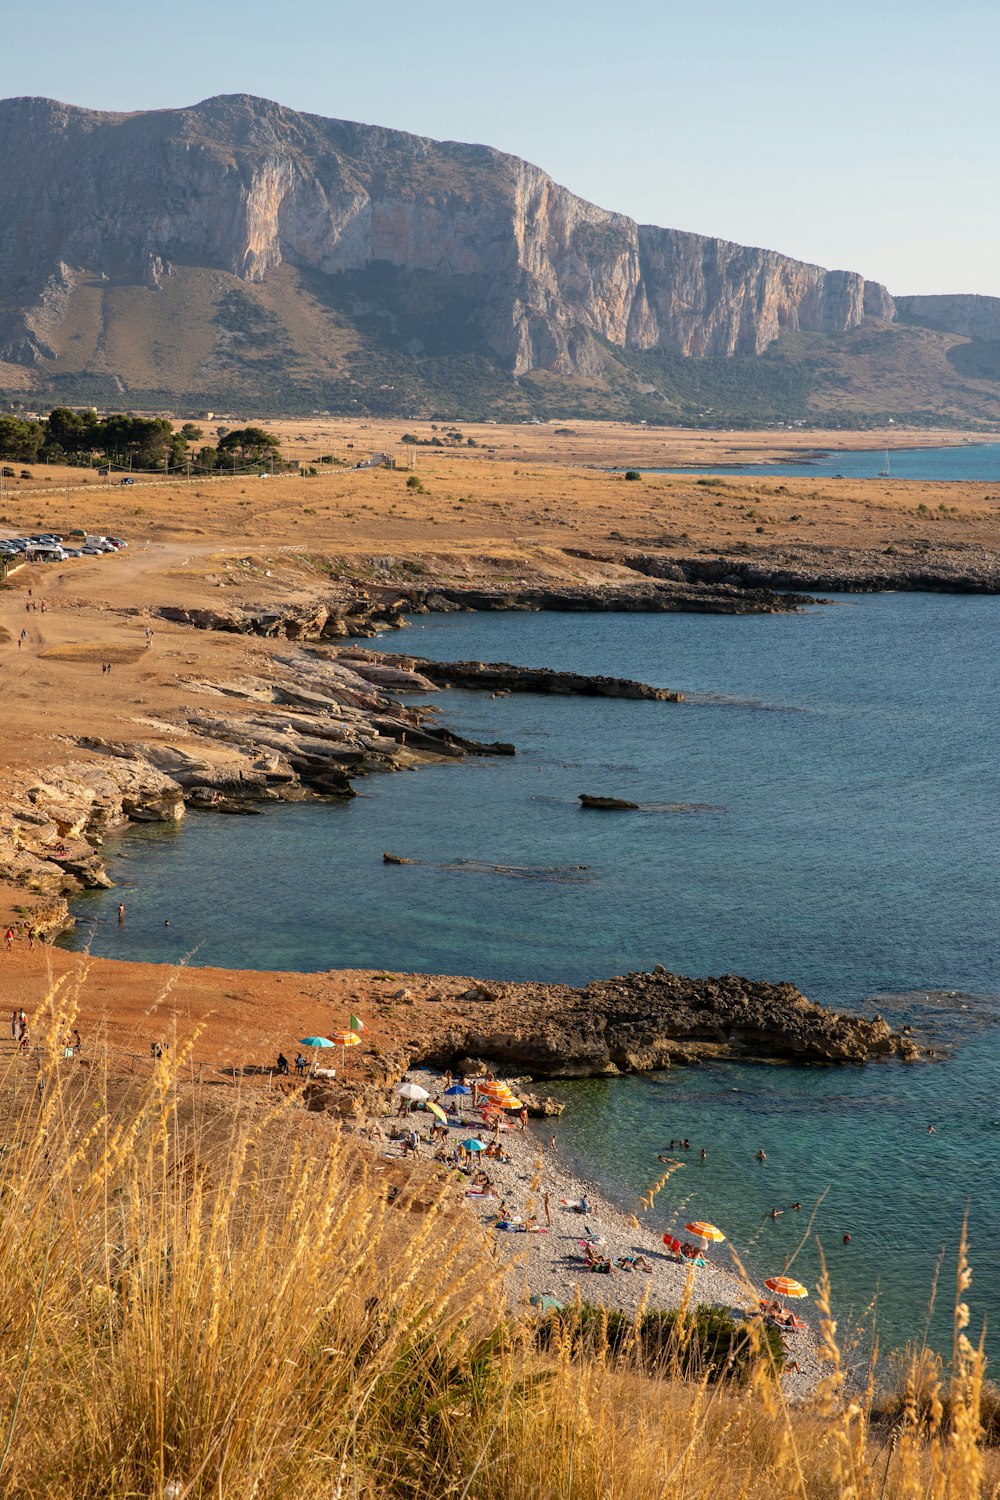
[634,1023]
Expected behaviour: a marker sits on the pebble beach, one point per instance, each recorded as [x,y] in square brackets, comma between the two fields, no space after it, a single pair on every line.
[549,1263]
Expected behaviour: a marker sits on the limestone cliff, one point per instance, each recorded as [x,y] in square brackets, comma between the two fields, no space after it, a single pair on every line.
[92,202]
[971,316]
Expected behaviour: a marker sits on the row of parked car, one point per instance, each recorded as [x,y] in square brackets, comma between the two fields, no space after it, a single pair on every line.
[48,547]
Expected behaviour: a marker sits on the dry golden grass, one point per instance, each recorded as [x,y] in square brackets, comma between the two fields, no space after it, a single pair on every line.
[229,1305]
[89,653]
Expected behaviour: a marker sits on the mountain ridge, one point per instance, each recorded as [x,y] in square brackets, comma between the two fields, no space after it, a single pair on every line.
[348,260]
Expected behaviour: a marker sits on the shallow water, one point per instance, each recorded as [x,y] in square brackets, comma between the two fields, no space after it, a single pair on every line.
[972,461]
[838,773]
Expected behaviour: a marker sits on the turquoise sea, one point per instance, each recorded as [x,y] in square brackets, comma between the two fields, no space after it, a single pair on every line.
[837,780]
[974,461]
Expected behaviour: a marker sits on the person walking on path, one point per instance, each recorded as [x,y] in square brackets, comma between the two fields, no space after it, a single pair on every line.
[8,939]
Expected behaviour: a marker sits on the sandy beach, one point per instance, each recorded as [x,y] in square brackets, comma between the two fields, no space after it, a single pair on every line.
[550,1263]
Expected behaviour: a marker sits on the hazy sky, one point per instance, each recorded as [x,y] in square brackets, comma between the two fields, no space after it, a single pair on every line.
[859,135]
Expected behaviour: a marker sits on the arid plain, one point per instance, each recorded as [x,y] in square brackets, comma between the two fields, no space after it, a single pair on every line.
[517,508]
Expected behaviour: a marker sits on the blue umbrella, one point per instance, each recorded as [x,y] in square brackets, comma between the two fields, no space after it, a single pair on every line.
[315,1041]
[473,1145]
[457,1088]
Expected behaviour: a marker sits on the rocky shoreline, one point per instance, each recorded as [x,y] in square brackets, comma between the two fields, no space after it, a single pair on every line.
[633,1023]
[640,1022]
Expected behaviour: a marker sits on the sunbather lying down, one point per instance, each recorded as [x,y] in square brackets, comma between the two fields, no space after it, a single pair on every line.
[635,1262]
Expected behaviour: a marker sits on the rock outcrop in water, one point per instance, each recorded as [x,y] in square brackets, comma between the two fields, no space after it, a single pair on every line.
[639,1023]
[502,677]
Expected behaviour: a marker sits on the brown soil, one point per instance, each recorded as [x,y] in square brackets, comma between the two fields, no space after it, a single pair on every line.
[507,515]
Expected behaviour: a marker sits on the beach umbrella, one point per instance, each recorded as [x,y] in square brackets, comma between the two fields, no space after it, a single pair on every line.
[703,1231]
[412,1091]
[457,1088]
[345,1039]
[436,1110]
[786,1286]
[315,1041]
[473,1145]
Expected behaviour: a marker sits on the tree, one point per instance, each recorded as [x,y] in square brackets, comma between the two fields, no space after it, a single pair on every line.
[147,441]
[190,433]
[70,436]
[20,438]
[249,445]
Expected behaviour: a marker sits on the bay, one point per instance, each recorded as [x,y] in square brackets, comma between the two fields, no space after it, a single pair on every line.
[837,824]
[970,461]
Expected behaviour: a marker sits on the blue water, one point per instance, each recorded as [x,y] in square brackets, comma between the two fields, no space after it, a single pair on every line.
[971,462]
[838,778]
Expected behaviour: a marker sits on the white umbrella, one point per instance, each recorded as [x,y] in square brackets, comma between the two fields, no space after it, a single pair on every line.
[412,1091]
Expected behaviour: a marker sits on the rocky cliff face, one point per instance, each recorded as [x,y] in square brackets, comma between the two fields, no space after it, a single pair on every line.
[964,313]
[241,185]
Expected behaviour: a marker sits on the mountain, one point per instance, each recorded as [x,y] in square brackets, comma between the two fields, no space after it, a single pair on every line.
[238,252]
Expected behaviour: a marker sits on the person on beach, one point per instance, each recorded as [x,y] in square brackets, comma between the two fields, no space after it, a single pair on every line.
[547,1205]
[8,939]
[15,1026]
[523,1117]
[282,1063]
[22,1022]
[121,914]
[552,1144]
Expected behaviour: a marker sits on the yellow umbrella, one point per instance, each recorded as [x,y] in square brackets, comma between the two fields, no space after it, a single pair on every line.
[436,1109]
[786,1286]
[704,1231]
[344,1039]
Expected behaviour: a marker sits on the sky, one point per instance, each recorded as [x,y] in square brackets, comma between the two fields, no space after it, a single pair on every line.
[861,136]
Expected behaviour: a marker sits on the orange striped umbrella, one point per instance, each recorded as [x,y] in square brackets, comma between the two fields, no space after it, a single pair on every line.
[704,1231]
[786,1286]
[344,1038]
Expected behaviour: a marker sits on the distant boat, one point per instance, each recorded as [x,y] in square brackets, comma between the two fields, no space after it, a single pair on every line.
[885,473]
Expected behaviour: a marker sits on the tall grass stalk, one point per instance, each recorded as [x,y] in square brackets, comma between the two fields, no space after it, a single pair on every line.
[213,1294]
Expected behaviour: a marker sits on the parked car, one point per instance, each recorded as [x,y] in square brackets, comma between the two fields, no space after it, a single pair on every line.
[126,480]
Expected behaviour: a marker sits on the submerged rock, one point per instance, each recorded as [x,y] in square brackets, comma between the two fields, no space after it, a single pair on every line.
[608,804]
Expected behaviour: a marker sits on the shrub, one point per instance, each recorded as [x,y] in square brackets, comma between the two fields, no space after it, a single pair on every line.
[705,1343]
[632,474]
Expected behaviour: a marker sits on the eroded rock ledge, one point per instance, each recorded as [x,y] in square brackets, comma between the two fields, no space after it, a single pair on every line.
[500,677]
[640,1022]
